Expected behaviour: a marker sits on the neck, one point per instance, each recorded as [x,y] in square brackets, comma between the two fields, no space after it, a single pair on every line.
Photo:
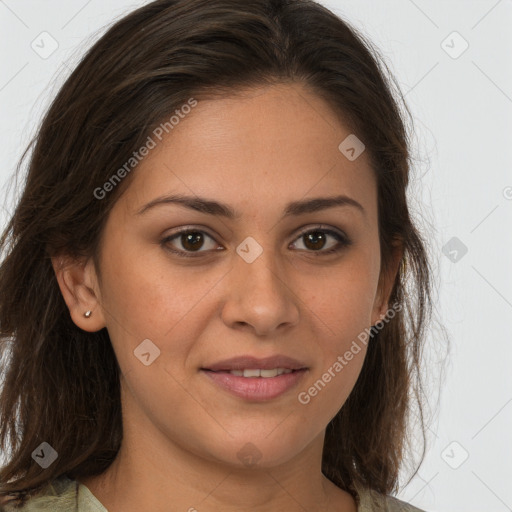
[142,478]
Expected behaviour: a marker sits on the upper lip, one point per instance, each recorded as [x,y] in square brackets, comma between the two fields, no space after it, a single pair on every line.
[253,363]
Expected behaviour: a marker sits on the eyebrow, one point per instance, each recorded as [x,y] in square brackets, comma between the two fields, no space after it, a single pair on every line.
[211,207]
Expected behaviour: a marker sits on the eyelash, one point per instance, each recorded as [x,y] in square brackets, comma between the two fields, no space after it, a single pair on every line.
[343,241]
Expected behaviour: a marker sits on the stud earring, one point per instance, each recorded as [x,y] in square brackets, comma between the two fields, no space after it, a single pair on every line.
[88,314]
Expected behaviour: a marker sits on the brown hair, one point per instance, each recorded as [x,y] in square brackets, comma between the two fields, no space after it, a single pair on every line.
[61,384]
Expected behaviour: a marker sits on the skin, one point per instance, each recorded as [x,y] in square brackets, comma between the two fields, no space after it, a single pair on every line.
[182,433]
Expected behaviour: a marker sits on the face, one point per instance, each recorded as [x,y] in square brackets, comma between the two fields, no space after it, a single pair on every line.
[269,280]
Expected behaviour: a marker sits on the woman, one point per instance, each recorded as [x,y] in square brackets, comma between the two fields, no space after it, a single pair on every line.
[203,294]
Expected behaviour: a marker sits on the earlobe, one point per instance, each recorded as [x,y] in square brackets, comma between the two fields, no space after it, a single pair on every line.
[77,282]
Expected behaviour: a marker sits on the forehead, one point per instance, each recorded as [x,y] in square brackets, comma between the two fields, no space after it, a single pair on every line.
[276,143]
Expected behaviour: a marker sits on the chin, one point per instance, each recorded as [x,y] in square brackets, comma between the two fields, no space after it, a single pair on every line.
[252,453]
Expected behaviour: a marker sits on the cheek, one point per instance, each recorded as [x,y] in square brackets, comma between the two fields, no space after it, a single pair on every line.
[340,313]
[144,297]
[141,286]
[344,294]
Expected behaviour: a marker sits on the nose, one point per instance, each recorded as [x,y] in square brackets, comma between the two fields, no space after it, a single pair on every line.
[259,296]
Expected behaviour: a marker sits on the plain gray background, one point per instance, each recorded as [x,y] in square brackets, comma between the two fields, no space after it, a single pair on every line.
[452,60]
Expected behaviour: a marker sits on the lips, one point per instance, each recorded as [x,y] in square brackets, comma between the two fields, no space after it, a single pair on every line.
[256,379]
[247,362]
[256,389]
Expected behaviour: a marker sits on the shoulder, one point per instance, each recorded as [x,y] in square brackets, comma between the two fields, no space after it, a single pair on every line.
[371,500]
[57,496]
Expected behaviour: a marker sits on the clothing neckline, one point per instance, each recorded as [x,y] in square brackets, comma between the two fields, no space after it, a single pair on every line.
[85,498]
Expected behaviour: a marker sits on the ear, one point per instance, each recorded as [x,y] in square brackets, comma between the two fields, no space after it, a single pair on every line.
[386,282]
[78,284]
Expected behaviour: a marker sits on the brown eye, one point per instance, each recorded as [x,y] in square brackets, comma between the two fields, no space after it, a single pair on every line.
[187,242]
[192,241]
[316,240]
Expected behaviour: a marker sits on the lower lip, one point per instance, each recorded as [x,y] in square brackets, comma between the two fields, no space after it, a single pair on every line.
[256,388]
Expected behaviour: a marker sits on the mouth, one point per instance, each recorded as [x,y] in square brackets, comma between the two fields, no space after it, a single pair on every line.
[256,379]
[256,385]
[256,373]
[248,363]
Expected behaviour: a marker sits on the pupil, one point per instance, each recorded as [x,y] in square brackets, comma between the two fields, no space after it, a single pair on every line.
[318,239]
[191,239]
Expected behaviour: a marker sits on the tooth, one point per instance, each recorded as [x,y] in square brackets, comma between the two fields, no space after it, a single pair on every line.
[251,373]
[269,373]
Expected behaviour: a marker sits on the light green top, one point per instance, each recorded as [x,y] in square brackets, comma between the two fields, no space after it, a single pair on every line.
[66,495]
